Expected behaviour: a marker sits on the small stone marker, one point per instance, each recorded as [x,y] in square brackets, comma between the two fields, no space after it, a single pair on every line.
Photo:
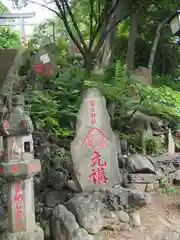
[44,64]
[19,167]
[94,149]
[143,74]
[171,143]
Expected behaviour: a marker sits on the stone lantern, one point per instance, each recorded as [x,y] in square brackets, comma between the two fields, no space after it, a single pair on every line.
[174,22]
[19,167]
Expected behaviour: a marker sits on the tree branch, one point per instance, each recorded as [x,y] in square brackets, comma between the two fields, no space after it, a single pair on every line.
[105,15]
[101,19]
[60,8]
[113,8]
[44,6]
[96,18]
[99,23]
[99,10]
[107,31]
[155,44]
[68,28]
[91,33]
[75,25]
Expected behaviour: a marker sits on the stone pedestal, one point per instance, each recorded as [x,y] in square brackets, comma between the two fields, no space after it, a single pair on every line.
[21,206]
[19,167]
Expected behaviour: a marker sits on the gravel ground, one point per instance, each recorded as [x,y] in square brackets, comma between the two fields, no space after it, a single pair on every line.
[159,221]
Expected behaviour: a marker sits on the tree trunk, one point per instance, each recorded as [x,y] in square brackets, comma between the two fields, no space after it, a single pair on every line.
[104,55]
[88,63]
[132,40]
[154,48]
[155,44]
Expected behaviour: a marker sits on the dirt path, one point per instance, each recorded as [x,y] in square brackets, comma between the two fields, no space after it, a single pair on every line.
[160,220]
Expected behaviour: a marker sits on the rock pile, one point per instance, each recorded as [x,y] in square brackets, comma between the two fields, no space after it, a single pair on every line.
[88,215]
[150,173]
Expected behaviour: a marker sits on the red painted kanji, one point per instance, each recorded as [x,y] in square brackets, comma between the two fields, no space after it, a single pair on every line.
[98,176]
[18,197]
[19,210]
[39,68]
[15,169]
[96,160]
[94,139]
[93,121]
[22,123]
[17,188]
[19,215]
[19,200]
[93,118]
[92,109]
[92,102]
[6,124]
[93,115]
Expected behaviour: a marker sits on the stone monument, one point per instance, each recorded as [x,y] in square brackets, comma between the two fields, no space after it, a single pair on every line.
[44,63]
[19,167]
[94,149]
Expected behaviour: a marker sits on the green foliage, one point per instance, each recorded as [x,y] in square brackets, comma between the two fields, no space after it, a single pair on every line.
[135,140]
[3,8]
[54,110]
[154,145]
[168,81]
[167,56]
[167,188]
[9,38]
[162,101]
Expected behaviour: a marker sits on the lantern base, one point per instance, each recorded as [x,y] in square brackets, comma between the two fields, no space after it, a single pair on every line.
[37,234]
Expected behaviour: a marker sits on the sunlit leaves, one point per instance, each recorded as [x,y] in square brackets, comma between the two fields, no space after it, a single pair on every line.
[9,38]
